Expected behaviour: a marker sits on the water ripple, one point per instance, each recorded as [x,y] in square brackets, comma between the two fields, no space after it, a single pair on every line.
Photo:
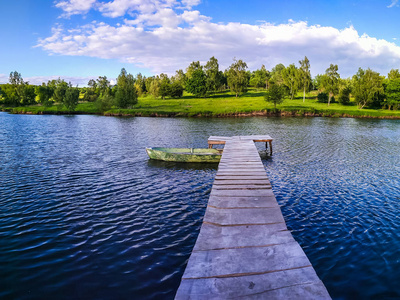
[85,215]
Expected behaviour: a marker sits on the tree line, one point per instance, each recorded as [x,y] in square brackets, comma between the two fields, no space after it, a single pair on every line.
[367,87]
[19,92]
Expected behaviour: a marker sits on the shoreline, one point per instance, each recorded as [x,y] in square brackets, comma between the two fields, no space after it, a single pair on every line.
[279,113]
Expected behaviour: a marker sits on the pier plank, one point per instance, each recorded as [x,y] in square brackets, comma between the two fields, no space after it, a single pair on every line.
[244,202]
[213,237]
[253,260]
[243,216]
[276,285]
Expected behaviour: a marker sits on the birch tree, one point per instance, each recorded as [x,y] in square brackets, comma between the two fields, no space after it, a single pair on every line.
[305,76]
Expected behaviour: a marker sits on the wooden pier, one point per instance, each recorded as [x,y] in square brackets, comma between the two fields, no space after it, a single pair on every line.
[244,249]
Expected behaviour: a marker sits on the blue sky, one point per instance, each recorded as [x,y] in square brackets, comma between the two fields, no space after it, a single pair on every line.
[82,39]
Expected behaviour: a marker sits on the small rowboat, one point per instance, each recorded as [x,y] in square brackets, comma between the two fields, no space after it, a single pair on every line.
[185,154]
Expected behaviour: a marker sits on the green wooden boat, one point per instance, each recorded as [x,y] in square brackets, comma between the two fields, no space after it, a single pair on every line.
[185,154]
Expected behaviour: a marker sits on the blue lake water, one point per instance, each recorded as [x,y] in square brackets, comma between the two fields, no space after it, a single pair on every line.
[85,215]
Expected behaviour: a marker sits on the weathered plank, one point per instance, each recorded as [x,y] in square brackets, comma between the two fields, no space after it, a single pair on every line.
[213,237]
[302,283]
[242,193]
[245,261]
[243,216]
[245,202]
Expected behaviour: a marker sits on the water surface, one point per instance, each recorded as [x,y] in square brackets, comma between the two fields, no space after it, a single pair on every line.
[84,213]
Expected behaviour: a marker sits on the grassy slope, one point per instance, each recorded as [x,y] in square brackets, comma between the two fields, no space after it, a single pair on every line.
[221,104]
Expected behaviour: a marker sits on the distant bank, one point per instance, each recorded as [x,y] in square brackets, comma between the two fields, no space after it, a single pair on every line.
[220,105]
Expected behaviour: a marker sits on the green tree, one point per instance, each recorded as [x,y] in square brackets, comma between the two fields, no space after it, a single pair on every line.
[59,90]
[317,82]
[91,92]
[176,90]
[330,81]
[393,74]
[275,94]
[195,65]
[23,93]
[260,77]
[367,86]
[305,76]
[103,86]
[9,95]
[140,84]
[44,94]
[392,92]
[71,98]
[164,86]
[180,78]
[197,83]
[237,77]
[104,103]
[290,76]
[154,86]
[211,69]
[126,94]
[276,74]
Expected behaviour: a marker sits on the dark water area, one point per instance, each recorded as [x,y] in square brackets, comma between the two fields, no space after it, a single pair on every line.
[85,215]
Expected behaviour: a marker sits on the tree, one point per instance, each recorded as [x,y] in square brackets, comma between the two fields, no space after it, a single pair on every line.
[237,77]
[92,92]
[344,91]
[195,65]
[330,81]
[140,84]
[126,94]
[71,98]
[15,79]
[104,103]
[276,74]
[9,95]
[22,92]
[164,86]
[154,86]
[259,78]
[275,94]
[211,69]
[44,94]
[317,82]
[290,76]
[180,78]
[393,74]
[176,90]
[197,83]
[59,91]
[392,92]
[367,85]
[104,86]
[305,76]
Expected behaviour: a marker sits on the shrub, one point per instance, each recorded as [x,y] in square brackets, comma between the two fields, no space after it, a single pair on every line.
[324,98]
[344,96]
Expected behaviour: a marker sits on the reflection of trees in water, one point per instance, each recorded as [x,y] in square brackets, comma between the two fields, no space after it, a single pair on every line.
[181,165]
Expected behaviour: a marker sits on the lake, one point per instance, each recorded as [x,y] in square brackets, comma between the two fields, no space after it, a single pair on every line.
[85,215]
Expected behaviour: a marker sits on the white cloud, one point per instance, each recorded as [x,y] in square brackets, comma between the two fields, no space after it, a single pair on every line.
[38,80]
[393,4]
[75,7]
[75,80]
[159,36]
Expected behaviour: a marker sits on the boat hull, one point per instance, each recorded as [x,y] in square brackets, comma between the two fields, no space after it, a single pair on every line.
[184,154]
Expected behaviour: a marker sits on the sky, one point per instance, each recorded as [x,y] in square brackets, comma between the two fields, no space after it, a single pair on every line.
[77,40]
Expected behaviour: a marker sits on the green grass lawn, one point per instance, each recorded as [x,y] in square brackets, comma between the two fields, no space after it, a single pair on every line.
[221,104]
